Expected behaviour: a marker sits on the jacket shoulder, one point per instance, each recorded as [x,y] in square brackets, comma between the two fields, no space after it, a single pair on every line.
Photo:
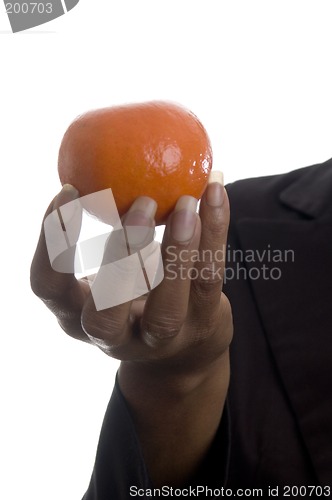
[259,197]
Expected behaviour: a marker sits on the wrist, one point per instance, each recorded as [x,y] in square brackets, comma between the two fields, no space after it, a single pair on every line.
[176,417]
[167,380]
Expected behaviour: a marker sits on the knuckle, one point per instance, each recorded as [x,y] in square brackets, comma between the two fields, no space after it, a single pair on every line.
[226,306]
[91,323]
[161,329]
[36,283]
[44,290]
[217,319]
[209,275]
[227,319]
[206,284]
[101,327]
[36,287]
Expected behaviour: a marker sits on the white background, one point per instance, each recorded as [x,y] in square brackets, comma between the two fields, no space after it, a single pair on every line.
[258,75]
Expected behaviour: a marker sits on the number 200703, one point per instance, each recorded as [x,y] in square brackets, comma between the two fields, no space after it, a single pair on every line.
[29,8]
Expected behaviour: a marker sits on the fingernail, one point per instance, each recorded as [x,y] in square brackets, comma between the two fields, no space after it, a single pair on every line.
[146,205]
[215,192]
[68,193]
[139,221]
[184,218]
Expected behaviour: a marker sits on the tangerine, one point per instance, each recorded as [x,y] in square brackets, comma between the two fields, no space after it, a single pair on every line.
[158,149]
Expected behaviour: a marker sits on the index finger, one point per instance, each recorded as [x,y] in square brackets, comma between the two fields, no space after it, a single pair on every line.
[60,291]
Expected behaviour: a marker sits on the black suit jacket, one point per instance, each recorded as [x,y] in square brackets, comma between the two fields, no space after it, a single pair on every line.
[277,427]
[280,396]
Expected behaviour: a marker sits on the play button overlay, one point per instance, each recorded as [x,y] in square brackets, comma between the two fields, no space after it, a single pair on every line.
[25,14]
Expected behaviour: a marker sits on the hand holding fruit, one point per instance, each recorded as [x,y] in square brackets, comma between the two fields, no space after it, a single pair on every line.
[173,343]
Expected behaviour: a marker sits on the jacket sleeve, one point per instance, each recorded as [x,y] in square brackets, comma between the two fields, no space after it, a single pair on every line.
[119,463]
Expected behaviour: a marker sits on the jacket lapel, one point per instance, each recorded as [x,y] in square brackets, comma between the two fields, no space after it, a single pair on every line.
[294,298]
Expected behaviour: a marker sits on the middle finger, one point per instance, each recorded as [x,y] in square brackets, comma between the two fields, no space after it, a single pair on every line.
[167,305]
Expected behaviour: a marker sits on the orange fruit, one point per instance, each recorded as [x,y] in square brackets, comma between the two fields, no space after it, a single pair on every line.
[157,149]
